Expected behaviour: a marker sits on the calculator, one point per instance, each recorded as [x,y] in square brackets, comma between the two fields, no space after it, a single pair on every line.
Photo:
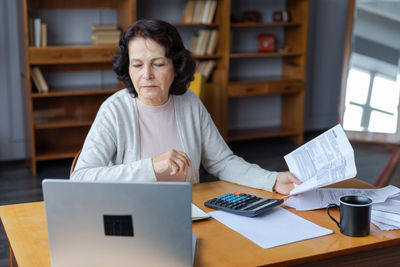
[242,204]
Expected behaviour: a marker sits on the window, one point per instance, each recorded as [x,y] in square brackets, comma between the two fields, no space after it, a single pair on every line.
[371,102]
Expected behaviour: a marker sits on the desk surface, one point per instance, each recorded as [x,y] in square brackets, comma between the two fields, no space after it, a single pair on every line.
[217,245]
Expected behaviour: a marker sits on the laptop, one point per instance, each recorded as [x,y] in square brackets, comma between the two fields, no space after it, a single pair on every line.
[119,224]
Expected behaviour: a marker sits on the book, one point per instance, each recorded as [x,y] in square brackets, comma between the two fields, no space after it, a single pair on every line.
[105,36]
[103,27]
[203,42]
[211,12]
[43,34]
[207,5]
[212,44]
[198,11]
[104,42]
[198,43]
[208,68]
[31,32]
[37,25]
[38,80]
[193,43]
[107,33]
[188,12]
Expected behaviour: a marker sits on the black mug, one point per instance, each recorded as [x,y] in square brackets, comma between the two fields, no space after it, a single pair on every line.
[355,215]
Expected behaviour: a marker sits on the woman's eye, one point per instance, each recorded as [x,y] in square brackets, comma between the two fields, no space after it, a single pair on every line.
[159,64]
[136,65]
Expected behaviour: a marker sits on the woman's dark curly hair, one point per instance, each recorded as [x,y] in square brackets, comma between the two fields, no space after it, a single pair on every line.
[166,35]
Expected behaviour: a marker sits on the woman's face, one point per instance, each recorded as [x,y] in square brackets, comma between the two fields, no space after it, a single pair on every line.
[151,72]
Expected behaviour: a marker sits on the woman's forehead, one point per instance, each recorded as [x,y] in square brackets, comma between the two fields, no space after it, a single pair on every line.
[140,47]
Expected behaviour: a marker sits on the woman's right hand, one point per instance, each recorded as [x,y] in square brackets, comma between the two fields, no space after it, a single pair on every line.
[176,161]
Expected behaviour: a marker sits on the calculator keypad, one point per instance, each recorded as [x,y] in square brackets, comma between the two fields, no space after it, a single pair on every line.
[242,204]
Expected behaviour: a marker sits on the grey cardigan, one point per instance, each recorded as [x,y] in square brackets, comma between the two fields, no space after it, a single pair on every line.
[111,150]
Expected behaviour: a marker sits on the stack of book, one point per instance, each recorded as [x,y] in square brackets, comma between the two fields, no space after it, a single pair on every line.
[204,43]
[199,11]
[206,68]
[37,32]
[105,34]
[38,80]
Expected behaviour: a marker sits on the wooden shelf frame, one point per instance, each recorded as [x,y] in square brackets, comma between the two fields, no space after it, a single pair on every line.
[77,91]
[261,133]
[72,54]
[63,123]
[264,24]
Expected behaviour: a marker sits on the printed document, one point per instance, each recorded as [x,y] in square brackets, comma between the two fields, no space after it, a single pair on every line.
[327,159]
[273,228]
[322,197]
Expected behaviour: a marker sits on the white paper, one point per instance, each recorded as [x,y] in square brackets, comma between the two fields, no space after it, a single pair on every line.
[322,197]
[390,205]
[386,218]
[198,214]
[383,226]
[273,228]
[327,159]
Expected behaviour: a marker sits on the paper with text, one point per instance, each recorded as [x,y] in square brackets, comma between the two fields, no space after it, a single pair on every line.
[327,159]
[322,197]
[273,228]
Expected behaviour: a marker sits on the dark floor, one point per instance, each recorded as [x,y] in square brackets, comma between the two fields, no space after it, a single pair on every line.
[17,185]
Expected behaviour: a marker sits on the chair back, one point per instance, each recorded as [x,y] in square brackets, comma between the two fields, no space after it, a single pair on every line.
[74,162]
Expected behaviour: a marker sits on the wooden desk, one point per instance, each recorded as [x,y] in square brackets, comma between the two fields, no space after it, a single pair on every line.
[217,245]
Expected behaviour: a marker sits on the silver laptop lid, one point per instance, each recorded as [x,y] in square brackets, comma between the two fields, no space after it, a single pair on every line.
[118,224]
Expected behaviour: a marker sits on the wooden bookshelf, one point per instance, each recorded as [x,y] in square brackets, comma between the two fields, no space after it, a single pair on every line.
[57,122]
[290,86]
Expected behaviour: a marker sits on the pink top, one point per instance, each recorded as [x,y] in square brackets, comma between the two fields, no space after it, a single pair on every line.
[158,133]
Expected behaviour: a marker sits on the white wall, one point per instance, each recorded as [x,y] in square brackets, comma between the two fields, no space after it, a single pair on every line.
[326,34]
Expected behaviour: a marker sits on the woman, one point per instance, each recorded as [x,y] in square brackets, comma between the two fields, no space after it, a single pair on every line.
[156,129]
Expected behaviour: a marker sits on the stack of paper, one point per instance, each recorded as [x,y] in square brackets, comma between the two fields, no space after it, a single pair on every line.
[386,215]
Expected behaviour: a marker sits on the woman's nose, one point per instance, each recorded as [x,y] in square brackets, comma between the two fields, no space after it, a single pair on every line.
[148,73]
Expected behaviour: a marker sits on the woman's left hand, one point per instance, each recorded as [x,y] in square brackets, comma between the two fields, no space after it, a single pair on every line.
[285,182]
